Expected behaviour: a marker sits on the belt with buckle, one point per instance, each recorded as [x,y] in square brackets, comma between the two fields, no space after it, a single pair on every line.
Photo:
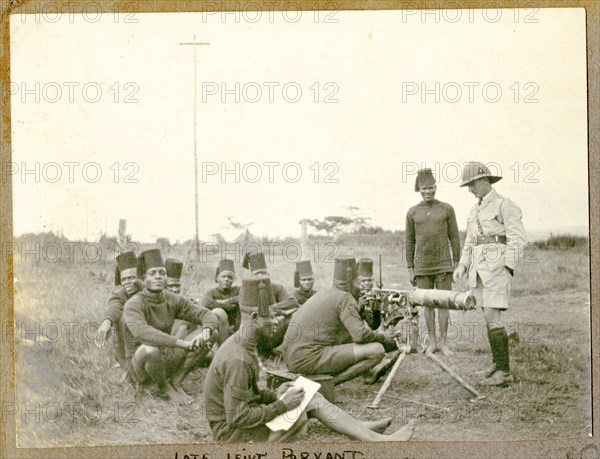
[490,240]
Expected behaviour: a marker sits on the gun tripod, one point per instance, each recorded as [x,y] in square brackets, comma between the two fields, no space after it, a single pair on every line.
[406,347]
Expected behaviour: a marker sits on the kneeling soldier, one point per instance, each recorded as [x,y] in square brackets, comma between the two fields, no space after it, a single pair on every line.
[237,410]
[304,282]
[152,353]
[328,336]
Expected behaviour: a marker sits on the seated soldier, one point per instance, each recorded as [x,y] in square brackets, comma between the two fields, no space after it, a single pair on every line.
[237,410]
[328,336]
[285,304]
[127,284]
[225,295]
[152,353]
[174,268]
[303,281]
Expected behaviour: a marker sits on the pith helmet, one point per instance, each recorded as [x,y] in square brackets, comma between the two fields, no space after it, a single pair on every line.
[126,260]
[256,292]
[474,170]
[424,178]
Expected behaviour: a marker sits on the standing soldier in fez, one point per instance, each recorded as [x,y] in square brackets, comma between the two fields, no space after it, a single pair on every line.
[237,410]
[303,282]
[328,336]
[127,284]
[432,251]
[226,295]
[285,304]
[152,353]
[493,245]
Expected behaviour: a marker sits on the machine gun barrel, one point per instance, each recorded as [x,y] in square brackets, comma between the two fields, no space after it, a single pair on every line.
[442,299]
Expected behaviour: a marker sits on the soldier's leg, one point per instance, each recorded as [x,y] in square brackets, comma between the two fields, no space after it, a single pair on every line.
[194,359]
[428,282]
[340,421]
[148,362]
[496,291]
[443,281]
[353,360]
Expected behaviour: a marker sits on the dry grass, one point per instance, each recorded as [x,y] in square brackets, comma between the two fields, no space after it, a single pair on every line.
[66,372]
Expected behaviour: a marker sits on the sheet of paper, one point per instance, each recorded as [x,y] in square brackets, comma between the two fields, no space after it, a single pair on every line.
[286,420]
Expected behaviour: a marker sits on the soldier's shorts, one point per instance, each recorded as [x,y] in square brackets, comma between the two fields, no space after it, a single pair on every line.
[494,293]
[439,281]
[329,360]
[136,373]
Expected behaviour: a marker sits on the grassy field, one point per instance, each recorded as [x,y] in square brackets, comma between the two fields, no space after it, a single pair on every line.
[70,394]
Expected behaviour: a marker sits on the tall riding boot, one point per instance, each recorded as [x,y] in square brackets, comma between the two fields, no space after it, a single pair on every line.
[499,345]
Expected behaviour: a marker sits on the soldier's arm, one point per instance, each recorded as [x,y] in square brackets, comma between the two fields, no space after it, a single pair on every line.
[470,239]
[195,313]
[285,302]
[453,236]
[516,238]
[410,240]
[116,303]
[241,411]
[135,320]
[360,332]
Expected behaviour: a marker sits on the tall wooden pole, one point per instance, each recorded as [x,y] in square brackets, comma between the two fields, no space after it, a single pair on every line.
[195,44]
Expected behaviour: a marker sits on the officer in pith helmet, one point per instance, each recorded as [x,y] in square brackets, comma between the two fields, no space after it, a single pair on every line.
[226,295]
[304,281]
[152,353]
[127,284]
[174,269]
[432,252]
[493,246]
[343,345]
[237,409]
[285,304]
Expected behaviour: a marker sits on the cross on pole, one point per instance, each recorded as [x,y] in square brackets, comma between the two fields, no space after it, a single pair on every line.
[195,44]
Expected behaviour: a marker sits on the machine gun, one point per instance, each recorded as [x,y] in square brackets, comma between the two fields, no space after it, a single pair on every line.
[386,307]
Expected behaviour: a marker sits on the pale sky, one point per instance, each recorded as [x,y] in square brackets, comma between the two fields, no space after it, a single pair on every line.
[372,66]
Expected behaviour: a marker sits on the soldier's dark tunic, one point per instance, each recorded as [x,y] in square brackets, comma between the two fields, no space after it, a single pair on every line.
[149,319]
[114,313]
[232,307]
[328,320]
[236,409]
[302,296]
[285,301]
[429,227]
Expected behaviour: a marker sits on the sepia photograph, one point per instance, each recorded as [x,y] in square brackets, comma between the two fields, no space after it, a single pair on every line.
[294,232]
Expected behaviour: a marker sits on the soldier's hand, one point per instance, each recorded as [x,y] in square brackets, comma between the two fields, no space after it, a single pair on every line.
[459,273]
[293,397]
[103,333]
[283,388]
[411,277]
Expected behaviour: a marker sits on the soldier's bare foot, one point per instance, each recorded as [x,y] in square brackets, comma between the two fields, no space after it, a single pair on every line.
[378,426]
[405,433]
[445,350]
[432,348]
[179,398]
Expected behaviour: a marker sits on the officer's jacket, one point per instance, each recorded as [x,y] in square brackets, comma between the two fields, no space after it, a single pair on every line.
[495,216]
